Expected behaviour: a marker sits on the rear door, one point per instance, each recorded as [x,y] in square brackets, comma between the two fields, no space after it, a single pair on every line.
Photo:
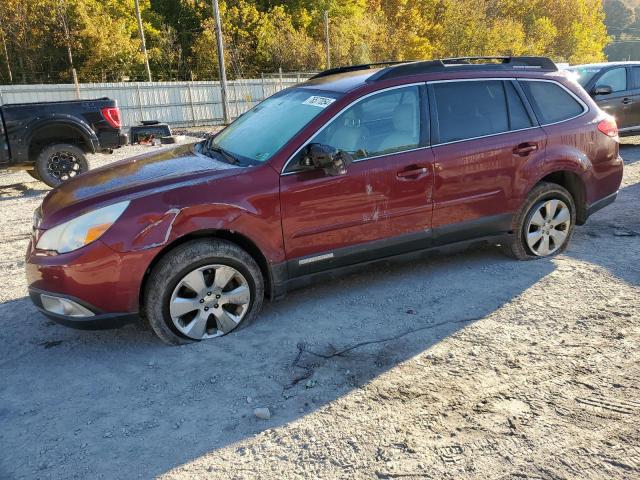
[483,133]
[381,206]
[617,103]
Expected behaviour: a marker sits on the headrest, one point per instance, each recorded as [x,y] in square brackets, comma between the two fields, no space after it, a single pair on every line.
[404,118]
[351,120]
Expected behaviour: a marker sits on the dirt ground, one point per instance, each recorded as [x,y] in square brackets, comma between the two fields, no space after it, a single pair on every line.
[463,366]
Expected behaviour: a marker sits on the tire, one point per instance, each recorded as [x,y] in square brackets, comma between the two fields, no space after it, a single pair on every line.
[168,140]
[60,162]
[33,174]
[524,223]
[171,289]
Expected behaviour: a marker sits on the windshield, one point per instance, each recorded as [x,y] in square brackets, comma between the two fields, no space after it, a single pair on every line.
[266,128]
[583,74]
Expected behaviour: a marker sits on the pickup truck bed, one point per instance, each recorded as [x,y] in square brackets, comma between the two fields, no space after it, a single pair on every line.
[29,130]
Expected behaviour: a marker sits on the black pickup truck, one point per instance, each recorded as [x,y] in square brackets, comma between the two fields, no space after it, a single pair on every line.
[50,140]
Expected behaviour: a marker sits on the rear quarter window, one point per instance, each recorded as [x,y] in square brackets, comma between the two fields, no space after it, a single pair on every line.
[551,103]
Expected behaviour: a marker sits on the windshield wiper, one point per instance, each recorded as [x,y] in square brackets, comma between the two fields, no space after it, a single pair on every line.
[209,146]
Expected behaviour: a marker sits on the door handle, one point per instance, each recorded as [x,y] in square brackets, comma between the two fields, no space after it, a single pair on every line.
[413,171]
[525,149]
[627,101]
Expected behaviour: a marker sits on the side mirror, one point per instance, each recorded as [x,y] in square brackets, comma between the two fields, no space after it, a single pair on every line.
[602,90]
[330,159]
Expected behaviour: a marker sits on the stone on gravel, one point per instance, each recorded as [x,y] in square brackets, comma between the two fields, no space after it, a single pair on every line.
[262,413]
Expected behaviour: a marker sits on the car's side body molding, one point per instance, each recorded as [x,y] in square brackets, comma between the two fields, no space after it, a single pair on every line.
[477,231]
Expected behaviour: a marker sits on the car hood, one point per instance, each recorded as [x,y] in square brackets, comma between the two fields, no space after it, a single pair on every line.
[131,178]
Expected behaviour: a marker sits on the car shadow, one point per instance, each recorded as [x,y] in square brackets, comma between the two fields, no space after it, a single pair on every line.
[95,404]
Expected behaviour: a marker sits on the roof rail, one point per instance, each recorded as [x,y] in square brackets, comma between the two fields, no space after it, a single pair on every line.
[464,63]
[353,68]
[413,67]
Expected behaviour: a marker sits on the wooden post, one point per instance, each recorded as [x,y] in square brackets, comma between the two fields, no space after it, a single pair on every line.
[193,112]
[221,67]
[326,38]
[139,101]
[143,43]
[75,82]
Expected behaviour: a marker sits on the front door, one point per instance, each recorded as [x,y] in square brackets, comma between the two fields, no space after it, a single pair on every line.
[381,206]
[633,95]
[617,103]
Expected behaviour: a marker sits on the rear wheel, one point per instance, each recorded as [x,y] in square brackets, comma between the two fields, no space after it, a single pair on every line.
[33,174]
[60,162]
[544,225]
[202,290]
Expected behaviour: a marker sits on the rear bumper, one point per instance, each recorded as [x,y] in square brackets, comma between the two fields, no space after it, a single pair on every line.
[99,320]
[112,139]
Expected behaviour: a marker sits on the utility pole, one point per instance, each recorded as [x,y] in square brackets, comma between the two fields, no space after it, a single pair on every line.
[221,68]
[326,38]
[62,15]
[143,43]
[6,55]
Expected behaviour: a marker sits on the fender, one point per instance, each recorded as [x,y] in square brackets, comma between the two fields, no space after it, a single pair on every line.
[175,226]
[21,145]
[164,229]
[559,158]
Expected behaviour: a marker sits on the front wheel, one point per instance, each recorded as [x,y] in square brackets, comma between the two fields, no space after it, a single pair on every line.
[60,162]
[544,224]
[201,290]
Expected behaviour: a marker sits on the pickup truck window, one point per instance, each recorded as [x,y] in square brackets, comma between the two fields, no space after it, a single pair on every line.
[268,126]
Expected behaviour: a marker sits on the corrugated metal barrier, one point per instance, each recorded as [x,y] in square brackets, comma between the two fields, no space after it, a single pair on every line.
[176,103]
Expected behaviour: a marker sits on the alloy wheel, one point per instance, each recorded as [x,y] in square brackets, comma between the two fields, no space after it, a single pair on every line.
[209,301]
[548,227]
[63,165]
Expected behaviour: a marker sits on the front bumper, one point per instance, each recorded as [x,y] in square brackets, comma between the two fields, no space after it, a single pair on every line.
[98,320]
[104,282]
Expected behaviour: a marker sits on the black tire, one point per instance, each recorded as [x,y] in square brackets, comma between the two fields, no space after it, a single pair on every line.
[168,140]
[60,162]
[33,174]
[179,262]
[518,247]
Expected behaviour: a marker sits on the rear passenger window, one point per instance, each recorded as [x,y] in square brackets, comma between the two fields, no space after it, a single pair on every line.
[551,103]
[470,109]
[517,112]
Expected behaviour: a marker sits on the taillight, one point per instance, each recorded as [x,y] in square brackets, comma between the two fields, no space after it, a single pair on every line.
[112,116]
[608,126]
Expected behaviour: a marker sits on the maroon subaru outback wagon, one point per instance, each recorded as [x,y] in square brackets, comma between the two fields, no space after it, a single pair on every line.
[358,164]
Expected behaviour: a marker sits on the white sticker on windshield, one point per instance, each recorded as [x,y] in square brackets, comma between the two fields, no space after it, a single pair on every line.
[321,102]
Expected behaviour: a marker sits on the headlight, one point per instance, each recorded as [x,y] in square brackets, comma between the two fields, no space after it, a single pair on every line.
[82,230]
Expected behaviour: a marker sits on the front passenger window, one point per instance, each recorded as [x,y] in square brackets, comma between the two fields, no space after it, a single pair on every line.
[616,78]
[381,124]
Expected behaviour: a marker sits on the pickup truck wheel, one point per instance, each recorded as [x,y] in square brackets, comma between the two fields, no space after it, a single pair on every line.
[544,224]
[201,290]
[33,174]
[60,162]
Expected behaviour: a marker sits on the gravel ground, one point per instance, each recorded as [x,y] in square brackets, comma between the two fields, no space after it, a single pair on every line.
[462,366]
